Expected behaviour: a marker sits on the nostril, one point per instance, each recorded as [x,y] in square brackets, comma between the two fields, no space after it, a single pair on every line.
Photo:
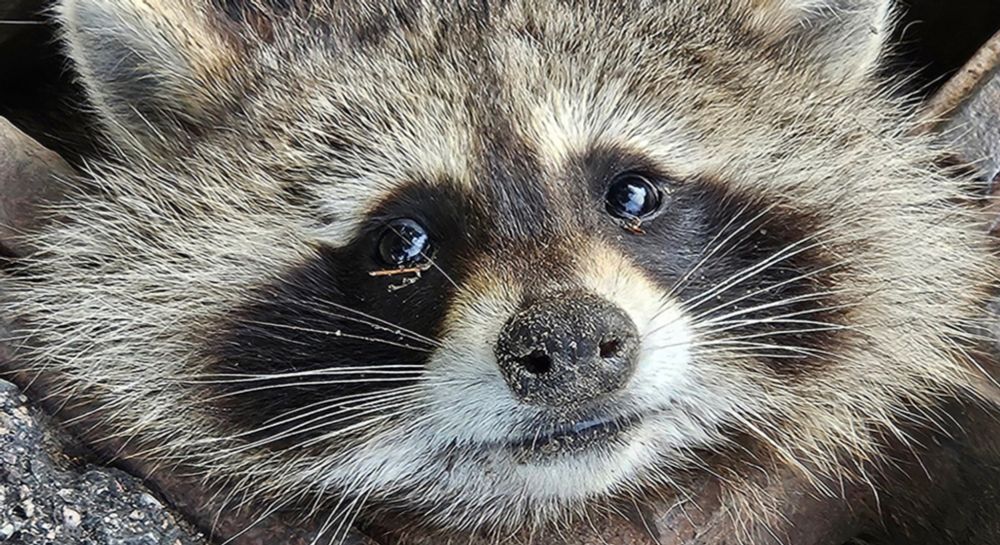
[537,363]
[566,349]
[610,348]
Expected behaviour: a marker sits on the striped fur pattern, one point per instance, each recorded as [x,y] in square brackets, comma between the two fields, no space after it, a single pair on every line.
[812,284]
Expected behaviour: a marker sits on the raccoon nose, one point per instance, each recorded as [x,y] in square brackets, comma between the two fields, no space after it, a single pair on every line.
[566,349]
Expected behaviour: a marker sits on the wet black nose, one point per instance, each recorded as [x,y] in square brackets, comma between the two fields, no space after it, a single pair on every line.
[567,348]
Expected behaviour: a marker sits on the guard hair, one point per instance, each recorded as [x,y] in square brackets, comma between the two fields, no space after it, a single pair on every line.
[219,294]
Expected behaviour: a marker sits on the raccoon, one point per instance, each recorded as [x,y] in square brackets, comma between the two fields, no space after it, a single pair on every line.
[490,263]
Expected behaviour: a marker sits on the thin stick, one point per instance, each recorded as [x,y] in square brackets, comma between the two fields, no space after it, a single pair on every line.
[961,86]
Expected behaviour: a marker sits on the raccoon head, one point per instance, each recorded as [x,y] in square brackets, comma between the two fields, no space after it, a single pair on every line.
[490,262]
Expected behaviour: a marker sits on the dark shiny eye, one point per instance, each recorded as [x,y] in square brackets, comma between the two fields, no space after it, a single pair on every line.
[404,243]
[632,196]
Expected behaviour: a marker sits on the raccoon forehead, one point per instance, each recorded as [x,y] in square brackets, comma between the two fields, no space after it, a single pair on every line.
[442,125]
[558,85]
[418,101]
[429,108]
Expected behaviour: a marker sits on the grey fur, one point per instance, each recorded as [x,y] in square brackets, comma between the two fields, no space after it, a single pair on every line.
[220,121]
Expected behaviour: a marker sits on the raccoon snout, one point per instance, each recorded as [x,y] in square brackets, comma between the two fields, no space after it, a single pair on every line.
[566,349]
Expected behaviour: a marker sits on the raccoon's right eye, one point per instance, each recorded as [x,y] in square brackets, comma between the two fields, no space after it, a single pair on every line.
[403,244]
[632,197]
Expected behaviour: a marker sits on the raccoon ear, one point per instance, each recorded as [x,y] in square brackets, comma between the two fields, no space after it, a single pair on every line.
[155,69]
[843,39]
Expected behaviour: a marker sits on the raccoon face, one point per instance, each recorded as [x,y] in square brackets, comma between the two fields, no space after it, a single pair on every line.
[490,262]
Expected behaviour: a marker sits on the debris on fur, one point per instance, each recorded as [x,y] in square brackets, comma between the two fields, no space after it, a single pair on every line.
[50,494]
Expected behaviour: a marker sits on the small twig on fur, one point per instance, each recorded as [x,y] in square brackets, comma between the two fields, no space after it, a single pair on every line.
[397,272]
[634,226]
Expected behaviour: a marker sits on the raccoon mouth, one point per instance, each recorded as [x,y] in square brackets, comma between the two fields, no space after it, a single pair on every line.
[575,437]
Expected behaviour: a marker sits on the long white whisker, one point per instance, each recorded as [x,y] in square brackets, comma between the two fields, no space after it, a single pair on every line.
[374,322]
[336,333]
[323,408]
[322,421]
[316,407]
[750,272]
[817,296]
[714,248]
[342,382]
[433,263]
[766,289]
[231,378]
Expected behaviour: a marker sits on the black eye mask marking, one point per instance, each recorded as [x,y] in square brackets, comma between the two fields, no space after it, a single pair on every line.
[754,273]
[305,325]
[324,346]
[353,323]
[770,286]
[313,338]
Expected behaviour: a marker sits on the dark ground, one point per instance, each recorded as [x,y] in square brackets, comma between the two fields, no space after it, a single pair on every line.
[51,494]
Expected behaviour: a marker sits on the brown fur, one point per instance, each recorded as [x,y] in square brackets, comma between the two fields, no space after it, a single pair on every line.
[252,136]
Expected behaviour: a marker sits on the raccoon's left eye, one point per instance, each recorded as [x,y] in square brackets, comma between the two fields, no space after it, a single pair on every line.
[632,196]
[404,243]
